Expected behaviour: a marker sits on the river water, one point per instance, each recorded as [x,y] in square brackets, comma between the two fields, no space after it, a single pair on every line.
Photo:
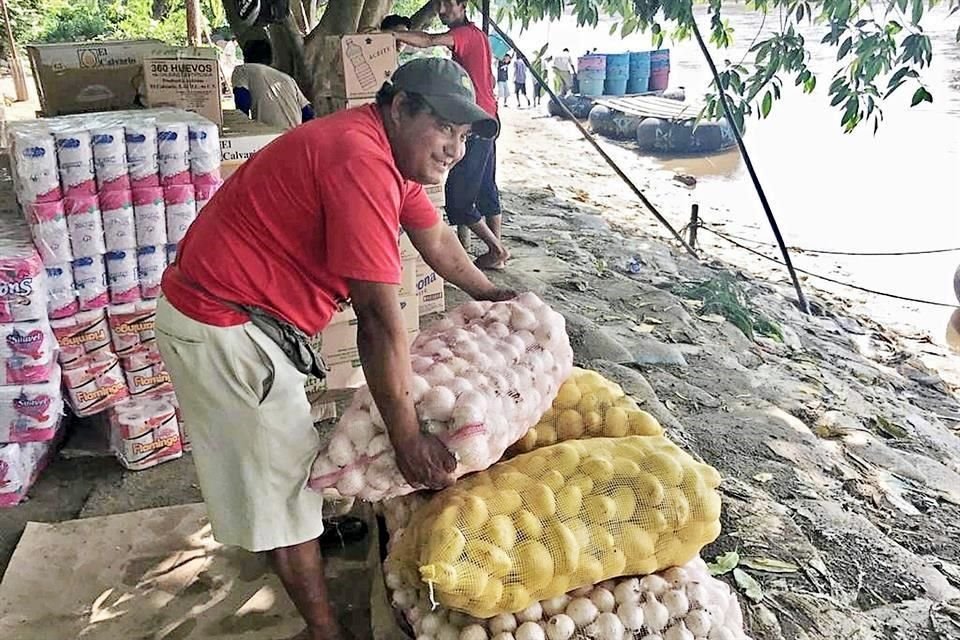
[898,190]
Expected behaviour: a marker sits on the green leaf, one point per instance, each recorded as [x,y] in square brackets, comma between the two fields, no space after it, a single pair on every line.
[769,565]
[810,84]
[724,564]
[614,27]
[799,12]
[750,587]
[766,105]
[921,95]
[917,12]
[844,48]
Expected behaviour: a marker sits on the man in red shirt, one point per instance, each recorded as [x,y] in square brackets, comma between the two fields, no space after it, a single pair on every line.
[308,222]
[471,193]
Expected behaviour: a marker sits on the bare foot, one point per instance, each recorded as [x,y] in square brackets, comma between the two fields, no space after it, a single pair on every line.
[493,260]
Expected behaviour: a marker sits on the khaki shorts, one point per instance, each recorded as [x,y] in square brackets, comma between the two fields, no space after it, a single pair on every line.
[249,424]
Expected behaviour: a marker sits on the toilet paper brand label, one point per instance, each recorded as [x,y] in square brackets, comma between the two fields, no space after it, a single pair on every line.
[28,343]
[16,288]
[35,407]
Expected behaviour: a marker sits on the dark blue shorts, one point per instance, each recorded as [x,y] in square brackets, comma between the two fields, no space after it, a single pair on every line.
[471,190]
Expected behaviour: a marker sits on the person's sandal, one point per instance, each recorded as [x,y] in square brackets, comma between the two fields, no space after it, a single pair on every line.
[339,532]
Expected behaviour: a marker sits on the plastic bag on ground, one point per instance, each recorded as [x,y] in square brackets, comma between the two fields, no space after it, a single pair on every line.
[561,517]
[482,377]
[588,406]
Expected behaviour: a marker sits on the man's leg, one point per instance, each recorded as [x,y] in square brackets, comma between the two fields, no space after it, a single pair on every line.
[488,204]
[300,569]
[463,188]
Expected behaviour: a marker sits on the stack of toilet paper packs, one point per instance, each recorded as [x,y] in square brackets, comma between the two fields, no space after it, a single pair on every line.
[31,402]
[108,197]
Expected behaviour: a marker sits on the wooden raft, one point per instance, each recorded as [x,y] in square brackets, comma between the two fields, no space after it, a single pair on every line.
[651,107]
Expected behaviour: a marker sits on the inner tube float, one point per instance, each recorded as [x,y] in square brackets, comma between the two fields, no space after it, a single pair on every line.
[579,106]
[662,136]
[613,124]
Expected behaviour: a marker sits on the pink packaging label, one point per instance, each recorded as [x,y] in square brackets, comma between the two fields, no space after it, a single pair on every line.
[144,432]
[22,288]
[27,352]
[83,335]
[94,384]
[132,327]
[30,413]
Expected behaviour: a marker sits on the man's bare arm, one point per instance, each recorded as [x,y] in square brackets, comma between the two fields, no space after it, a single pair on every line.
[424,40]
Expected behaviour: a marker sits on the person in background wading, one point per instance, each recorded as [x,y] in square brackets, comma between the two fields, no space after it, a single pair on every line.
[472,197]
[309,221]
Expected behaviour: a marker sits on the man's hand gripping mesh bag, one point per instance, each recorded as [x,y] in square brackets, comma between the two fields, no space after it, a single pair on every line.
[588,406]
[483,376]
[564,516]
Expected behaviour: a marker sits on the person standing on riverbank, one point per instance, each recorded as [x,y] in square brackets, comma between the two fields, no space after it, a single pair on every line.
[473,199]
[503,79]
[520,81]
[563,70]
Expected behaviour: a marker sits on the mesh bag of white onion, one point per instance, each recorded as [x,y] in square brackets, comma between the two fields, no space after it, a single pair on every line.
[482,377]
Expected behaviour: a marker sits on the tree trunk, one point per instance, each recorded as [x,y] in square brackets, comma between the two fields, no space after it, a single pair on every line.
[193,22]
[373,12]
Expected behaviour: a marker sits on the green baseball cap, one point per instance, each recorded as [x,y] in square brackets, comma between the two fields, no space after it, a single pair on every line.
[447,88]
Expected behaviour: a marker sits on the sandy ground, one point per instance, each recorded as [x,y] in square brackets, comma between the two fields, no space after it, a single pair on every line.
[838,444]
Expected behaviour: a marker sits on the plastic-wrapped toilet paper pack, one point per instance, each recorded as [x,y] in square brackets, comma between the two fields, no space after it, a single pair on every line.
[34,158]
[28,352]
[94,384]
[173,153]
[132,327]
[75,161]
[20,465]
[119,226]
[85,225]
[123,277]
[31,412]
[146,373]
[110,158]
[149,216]
[82,336]
[90,280]
[51,234]
[180,204]
[204,192]
[144,431]
[151,261]
[140,135]
[23,290]
[204,153]
[61,292]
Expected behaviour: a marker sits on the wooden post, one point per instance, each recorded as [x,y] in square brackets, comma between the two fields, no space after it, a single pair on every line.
[193,22]
[16,69]
[485,9]
[692,227]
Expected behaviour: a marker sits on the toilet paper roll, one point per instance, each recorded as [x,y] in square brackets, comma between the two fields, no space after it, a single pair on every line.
[132,327]
[75,161]
[173,153]
[28,352]
[151,261]
[119,228]
[141,141]
[95,384]
[85,224]
[48,226]
[34,156]
[90,278]
[144,436]
[123,278]
[31,412]
[110,158]
[61,292]
[149,216]
[85,335]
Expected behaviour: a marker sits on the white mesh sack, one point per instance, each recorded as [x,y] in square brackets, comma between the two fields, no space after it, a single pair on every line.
[482,377]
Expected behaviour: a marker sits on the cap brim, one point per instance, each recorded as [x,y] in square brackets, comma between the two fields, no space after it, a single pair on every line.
[462,111]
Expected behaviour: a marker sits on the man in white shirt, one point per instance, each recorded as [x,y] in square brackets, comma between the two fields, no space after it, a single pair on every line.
[563,69]
[266,94]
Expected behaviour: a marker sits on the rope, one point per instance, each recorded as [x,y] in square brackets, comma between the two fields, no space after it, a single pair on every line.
[828,252]
[850,285]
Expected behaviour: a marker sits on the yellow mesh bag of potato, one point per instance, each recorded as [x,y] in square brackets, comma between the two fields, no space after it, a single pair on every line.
[588,406]
[558,518]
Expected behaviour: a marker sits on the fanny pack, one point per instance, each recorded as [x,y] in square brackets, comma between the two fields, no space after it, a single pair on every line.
[291,340]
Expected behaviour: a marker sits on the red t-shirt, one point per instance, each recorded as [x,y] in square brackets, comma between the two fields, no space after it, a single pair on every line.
[471,50]
[321,204]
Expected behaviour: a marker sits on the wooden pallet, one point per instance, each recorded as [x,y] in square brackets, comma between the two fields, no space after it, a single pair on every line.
[652,107]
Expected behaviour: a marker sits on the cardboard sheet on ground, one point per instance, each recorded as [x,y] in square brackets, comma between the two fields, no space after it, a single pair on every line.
[151,574]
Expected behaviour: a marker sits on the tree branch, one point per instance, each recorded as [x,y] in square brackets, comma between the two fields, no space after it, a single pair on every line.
[342,16]
[424,16]
[372,13]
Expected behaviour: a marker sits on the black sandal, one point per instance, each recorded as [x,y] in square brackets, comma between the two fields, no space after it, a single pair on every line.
[339,532]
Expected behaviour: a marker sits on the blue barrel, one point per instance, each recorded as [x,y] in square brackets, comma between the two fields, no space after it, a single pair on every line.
[591,86]
[638,85]
[639,64]
[498,46]
[615,86]
[618,66]
[660,60]
[591,74]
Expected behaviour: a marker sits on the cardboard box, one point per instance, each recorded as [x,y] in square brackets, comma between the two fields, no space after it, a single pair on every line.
[240,138]
[360,64]
[430,297]
[337,344]
[79,77]
[186,78]
[407,250]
